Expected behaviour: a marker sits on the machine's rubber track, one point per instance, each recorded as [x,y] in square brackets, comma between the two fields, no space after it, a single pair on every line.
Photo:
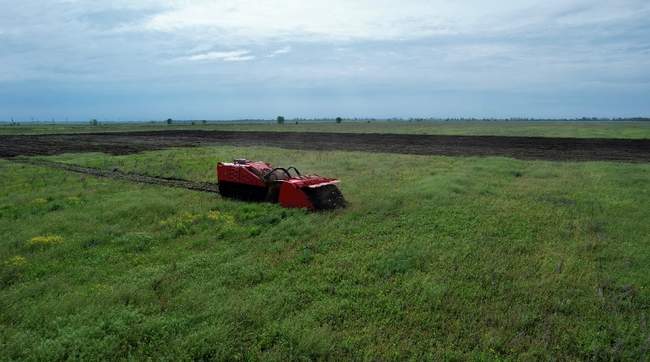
[242,192]
[126,176]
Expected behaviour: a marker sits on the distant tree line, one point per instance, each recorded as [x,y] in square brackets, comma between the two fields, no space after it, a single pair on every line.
[283,120]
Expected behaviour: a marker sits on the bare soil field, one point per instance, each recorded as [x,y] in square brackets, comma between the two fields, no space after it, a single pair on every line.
[541,148]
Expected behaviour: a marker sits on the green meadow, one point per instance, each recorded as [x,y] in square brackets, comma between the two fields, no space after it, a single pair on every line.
[435,258]
[577,129]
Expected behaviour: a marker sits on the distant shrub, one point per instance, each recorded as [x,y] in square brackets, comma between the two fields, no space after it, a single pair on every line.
[339,119]
[11,270]
[280,120]
[94,122]
[169,121]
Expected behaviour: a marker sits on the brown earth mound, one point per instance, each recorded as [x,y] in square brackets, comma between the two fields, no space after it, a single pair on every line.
[541,148]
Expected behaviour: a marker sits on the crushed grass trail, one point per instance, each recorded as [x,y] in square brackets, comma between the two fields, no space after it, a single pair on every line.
[126,176]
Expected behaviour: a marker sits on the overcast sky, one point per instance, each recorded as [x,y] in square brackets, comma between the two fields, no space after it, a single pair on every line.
[232,59]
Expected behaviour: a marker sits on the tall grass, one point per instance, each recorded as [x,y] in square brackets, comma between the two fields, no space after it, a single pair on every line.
[435,258]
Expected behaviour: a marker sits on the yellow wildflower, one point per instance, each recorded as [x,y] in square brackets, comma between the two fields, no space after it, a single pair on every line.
[182,224]
[45,240]
[16,261]
[74,199]
[184,218]
[221,217]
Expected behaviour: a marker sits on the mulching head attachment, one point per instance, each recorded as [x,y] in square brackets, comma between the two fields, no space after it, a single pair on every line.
[259,181]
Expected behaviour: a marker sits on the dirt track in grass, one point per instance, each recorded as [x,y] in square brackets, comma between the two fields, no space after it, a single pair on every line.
[127,176]
[536,148]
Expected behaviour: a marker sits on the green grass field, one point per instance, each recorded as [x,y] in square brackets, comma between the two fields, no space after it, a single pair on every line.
[435,258]
[618,129]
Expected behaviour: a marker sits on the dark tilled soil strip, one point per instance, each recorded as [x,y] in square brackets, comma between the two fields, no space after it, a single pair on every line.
[536,148]
[127,176]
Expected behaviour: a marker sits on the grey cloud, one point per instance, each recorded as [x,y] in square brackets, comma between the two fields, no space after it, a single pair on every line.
[565,47]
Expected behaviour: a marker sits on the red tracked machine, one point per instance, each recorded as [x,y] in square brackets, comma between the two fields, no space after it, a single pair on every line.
[259,181]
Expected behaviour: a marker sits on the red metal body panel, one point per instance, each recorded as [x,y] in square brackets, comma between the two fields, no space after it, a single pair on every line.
[248,174]
[227,172]
[292,196]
